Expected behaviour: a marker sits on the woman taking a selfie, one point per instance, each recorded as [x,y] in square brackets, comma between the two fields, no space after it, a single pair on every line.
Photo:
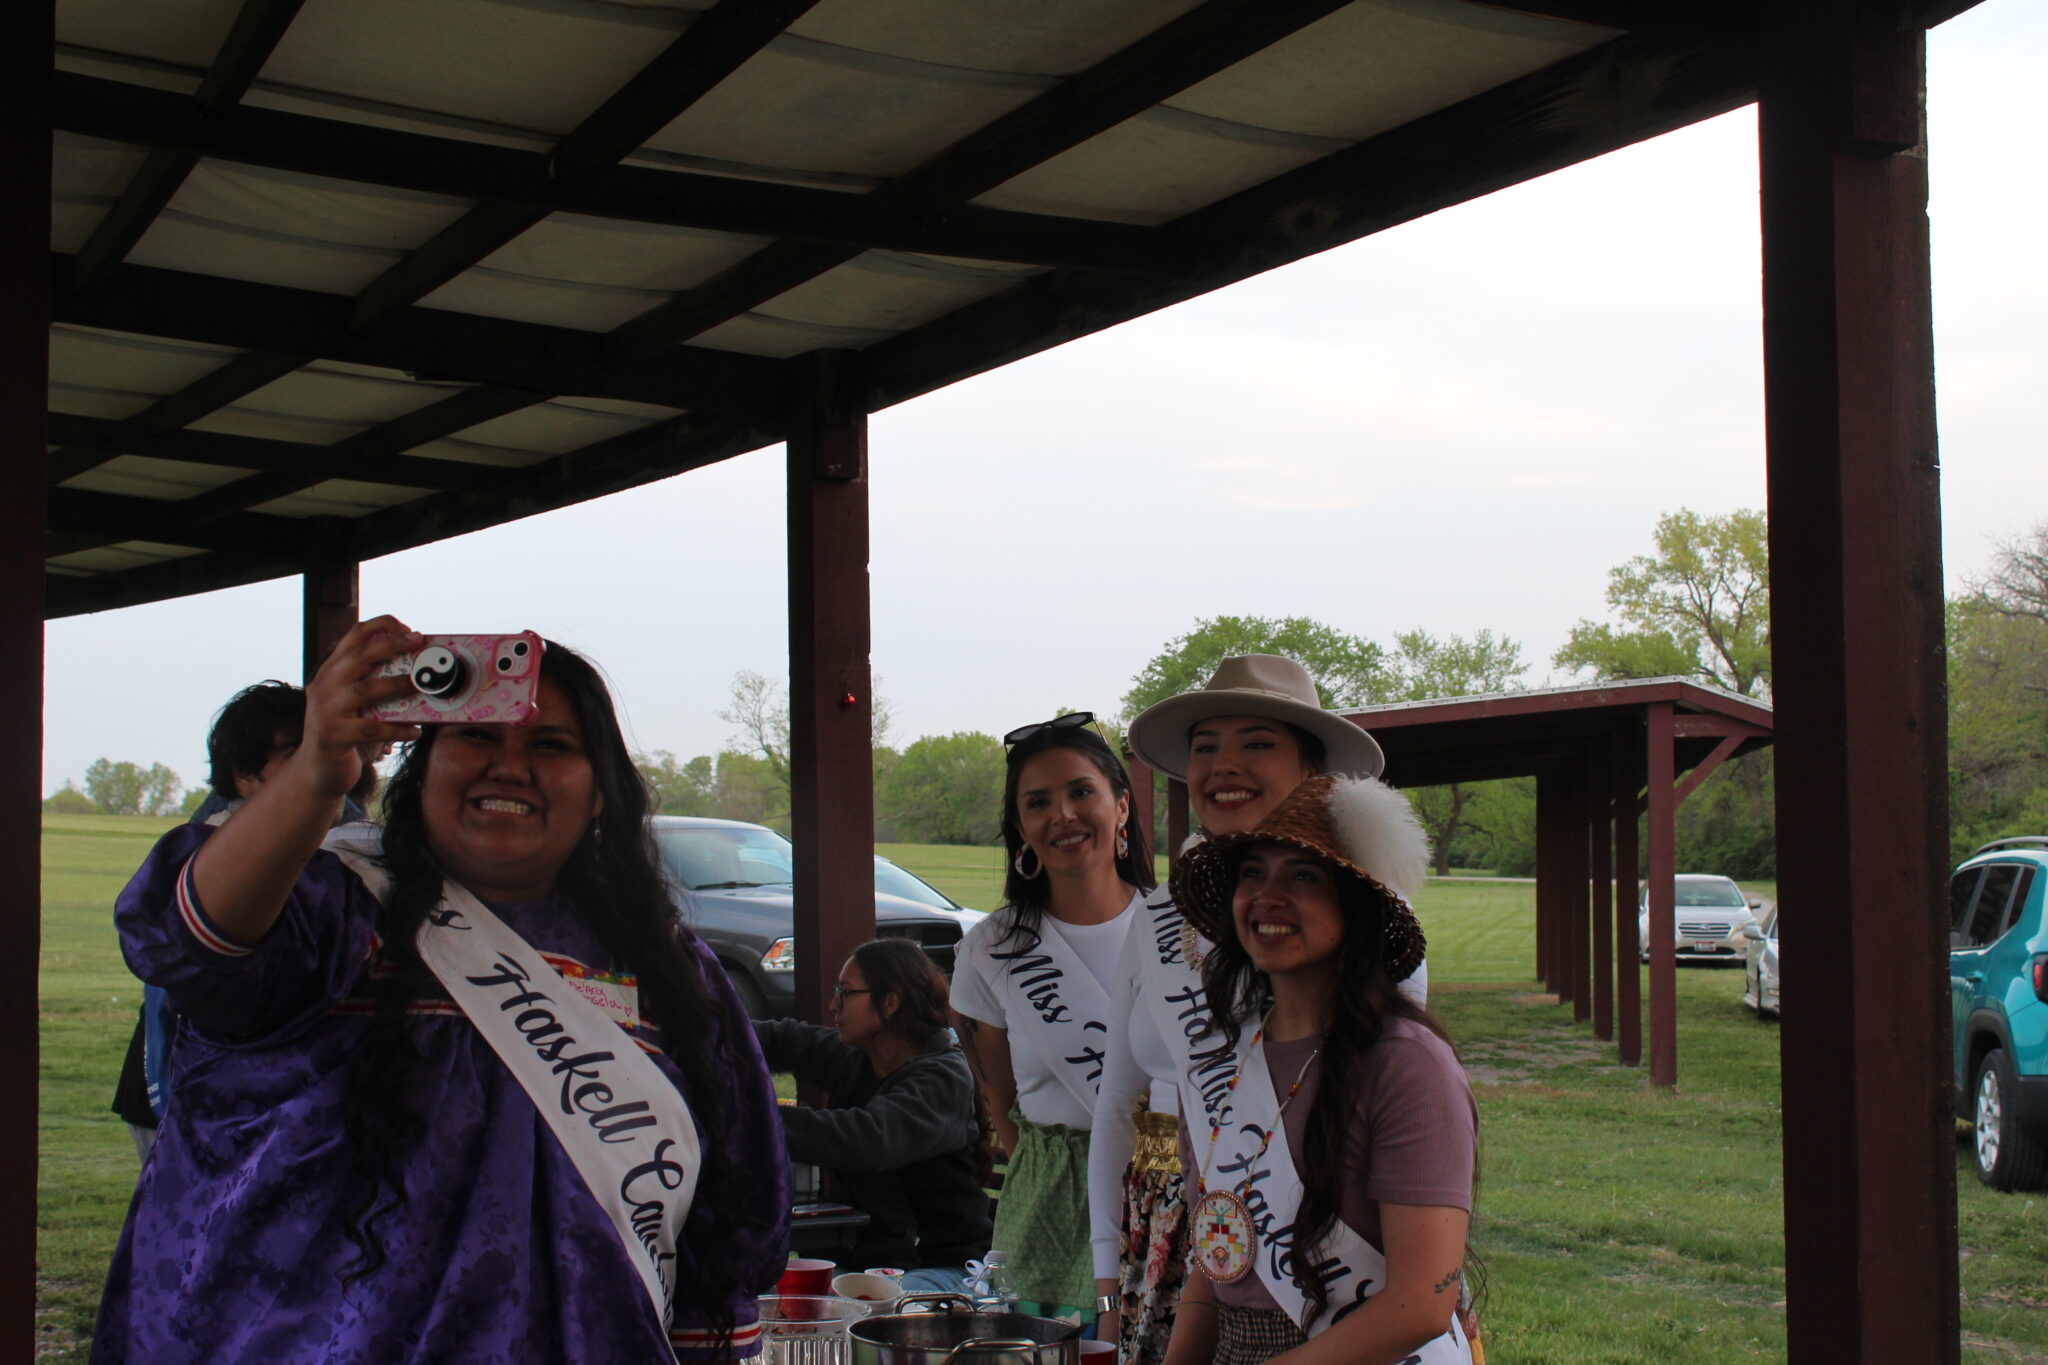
[903,1138]
[1031,992]
[1329,1146]
[473,1096]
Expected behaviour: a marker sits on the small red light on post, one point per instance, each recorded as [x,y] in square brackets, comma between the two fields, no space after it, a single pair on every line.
[848,700]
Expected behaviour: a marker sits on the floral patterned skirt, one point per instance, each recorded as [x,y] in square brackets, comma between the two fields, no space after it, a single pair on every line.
[1155,1246]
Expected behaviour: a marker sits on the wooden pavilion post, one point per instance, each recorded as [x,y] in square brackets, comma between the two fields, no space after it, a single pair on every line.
[1599,789]
[331,601]
[1661,876]
[1553,962]
[1628,974]
[1578,906]
[1176,818]
[1858,686]
[24,376]
[1144,800]
[831,709]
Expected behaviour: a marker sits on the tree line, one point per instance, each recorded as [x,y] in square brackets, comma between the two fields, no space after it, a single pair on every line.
[1697,606]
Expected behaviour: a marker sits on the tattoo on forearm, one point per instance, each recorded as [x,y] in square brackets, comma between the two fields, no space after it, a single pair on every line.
[1447,1281]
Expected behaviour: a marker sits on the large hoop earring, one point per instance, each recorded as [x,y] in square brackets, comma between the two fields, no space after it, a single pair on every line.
[1037,863]
[1123,843]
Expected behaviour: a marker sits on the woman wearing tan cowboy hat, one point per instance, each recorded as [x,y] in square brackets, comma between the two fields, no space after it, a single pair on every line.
[1253,734]
[1329,1133]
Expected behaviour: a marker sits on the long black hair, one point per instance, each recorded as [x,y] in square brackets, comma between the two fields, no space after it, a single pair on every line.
[1027,896]
[614,883]
[898,967]
[1366,1000]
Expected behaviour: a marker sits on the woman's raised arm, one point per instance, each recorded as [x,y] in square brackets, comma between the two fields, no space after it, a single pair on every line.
[246,869]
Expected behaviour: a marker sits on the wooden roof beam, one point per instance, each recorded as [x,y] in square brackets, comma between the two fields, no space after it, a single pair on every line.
[716,44]
[257,27]
[1729,19]
[605,467]
[1207,39]
[104,435]
[369,453]
[123,112]
[424,342]
[119,517]
[1552,118]
[228,567]
[609,466]
[1740,20]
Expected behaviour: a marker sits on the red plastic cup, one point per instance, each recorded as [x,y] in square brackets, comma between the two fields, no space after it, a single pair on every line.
[1098,1350]
[806,1277]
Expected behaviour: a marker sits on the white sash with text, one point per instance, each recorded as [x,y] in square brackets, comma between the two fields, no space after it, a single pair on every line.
[623,1124]
[1171,980]
[1351,1269]
[1049,982]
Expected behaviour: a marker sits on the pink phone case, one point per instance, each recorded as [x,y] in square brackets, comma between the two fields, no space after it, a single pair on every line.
[465,678]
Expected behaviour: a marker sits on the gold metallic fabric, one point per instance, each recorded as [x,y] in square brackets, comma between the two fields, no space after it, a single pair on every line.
[1158,1143]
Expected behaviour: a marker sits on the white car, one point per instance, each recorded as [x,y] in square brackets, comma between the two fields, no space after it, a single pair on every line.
[1710,912]
[1760,965]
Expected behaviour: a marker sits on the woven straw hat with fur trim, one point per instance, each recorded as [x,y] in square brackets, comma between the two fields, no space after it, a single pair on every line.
[1359,823]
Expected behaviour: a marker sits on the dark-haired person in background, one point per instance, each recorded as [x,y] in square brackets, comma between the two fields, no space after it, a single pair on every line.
[463,1095]
[1033,988]
[251,738]
[903,1137]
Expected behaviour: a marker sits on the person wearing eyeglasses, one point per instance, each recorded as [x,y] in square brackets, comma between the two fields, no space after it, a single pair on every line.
[1032,992]
[903,1135]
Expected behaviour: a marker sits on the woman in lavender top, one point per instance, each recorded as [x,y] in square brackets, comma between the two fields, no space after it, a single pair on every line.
[350,1173]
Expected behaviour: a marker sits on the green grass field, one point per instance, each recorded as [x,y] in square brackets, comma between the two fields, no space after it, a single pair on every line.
[1618,1223]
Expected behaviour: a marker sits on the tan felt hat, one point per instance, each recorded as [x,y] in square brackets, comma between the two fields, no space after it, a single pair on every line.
[1265,685]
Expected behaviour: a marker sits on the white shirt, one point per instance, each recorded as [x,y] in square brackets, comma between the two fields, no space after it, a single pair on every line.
[977,994]
[1138,1065]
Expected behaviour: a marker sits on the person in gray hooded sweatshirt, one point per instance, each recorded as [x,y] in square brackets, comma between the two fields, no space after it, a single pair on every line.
[904,1138]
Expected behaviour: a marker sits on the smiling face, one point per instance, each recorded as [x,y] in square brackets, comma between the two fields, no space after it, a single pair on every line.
[1286,912]
[1240,768]
[1068,812]
[505,805]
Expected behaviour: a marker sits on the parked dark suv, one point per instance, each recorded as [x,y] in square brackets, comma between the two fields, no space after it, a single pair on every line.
[1998,985]
[732,885]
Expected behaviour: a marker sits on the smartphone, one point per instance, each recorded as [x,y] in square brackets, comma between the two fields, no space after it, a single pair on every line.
[467,678]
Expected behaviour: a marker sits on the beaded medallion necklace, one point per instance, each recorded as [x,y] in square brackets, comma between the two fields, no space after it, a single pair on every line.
[1226,1240]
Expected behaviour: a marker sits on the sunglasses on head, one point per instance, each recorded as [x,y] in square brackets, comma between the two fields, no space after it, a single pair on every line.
[1073,720]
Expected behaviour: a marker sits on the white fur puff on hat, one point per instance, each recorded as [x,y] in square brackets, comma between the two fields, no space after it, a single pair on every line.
[1359,823]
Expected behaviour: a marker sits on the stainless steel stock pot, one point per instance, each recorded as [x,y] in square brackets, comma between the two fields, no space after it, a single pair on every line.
[962,1335]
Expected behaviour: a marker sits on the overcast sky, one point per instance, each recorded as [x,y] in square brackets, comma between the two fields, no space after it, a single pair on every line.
[1459,424]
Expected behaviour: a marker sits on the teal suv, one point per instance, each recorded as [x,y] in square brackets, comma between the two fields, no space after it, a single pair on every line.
[1998,980]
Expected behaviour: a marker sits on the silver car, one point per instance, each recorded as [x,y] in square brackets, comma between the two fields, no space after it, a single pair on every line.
[1711,912]
[1760,965]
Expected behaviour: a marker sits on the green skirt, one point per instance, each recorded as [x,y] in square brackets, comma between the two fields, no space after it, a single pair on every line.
[1042,1215]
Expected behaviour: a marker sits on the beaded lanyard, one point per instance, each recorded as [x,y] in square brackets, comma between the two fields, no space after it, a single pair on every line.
[1221,1224]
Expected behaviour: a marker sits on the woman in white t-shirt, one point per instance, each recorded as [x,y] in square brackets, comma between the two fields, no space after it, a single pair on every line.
[1032,988]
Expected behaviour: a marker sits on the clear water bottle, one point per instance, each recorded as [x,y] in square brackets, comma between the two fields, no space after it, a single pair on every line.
[999,1288]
